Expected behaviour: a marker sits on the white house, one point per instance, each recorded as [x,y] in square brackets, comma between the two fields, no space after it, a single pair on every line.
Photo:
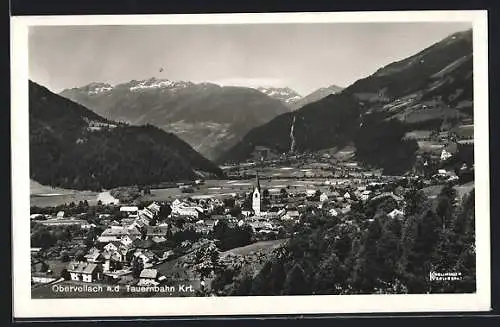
[445,155]
[127,240]
[130,211]
[323,197]
[346,209]
[154,208]
[365,195]
[146,213]
[395,213]
[333,212]
[291,215]
[112,246]
[310,192]
[246,213]
[84,271]
[148,277]
[116,233]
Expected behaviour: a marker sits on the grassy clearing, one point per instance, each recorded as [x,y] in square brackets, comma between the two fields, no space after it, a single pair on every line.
[265,246]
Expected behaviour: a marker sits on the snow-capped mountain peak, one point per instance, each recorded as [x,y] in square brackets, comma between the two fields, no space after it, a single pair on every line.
[97,88]
[285,94]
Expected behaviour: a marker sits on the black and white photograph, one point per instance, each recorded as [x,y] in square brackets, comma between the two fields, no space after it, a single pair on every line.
[216,158]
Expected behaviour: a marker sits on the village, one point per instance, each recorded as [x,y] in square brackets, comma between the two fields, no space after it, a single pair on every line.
[136,245]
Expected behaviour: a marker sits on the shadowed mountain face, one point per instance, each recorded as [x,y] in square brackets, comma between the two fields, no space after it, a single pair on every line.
[73,147]
[427,91]
[209,117]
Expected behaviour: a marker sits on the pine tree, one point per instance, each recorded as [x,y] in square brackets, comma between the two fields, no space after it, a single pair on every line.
[367,269]
[421,235]
[295,282]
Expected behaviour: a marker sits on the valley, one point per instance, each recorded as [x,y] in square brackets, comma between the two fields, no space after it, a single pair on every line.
[259,191]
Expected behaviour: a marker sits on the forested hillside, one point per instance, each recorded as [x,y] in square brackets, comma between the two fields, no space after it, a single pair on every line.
[72,147]
[367,252]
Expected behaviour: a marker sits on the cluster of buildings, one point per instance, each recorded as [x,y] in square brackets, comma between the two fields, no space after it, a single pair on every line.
[130,239]
[139,235]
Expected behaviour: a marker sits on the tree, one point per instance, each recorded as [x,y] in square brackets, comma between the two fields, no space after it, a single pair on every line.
[235,211]
[64,257]
[179,222]
[44,267]
[329,277]
[206,261]
[416,202]
[283,193]
[165,211]
[265,193]
[388,250]
[260,282]
[295,282]
[367,267]
[80,255]
[276,277]
[137,266]
[243,286]
[446,203]
[65,274]
[229,203]
[420,237]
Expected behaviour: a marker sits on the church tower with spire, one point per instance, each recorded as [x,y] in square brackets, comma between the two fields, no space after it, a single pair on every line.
[256,196]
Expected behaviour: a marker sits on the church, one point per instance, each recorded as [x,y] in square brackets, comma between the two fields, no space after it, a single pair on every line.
[257,197]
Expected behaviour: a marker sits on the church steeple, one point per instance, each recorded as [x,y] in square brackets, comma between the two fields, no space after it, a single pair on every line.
[256,198]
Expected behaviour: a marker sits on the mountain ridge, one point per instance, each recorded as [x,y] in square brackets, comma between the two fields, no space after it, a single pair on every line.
[73,147]
[215,117]
[434,86]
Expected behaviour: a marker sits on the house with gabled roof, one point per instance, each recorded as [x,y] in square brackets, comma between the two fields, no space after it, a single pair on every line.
[154,208]
[159,239]
[147,257]
[152,231]
[94,255]
[127,240]
[115,233]
[130,211]
[148,277]
[113,246]
[146,214]
[395,213]
[84,271]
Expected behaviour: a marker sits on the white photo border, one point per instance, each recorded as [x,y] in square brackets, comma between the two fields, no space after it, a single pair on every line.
[26,307]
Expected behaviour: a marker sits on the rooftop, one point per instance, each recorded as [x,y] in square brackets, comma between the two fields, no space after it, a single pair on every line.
[148,273]
[82,267]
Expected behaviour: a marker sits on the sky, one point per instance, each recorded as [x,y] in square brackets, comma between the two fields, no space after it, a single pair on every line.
[303,57]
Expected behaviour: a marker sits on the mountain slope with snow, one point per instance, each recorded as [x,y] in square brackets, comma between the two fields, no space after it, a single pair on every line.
[285,94]
[211,118]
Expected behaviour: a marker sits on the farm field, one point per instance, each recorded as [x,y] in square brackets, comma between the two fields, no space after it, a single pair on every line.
[46,196]
[266,246]
[434,190]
